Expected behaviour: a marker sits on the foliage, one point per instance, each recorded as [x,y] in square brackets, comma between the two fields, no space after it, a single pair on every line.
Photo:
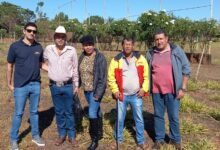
[188,104]
[12,15]
[202,144]
[214,85]
[188,127]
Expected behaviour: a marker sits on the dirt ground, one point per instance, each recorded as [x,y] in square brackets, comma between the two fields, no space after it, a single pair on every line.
[48,126]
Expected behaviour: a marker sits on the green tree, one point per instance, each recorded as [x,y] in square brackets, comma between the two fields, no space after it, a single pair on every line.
[12,15]
[94,20]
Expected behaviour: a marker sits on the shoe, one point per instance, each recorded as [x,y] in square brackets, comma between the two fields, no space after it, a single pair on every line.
[142,146]
[73,142]
[100,128]
[113,145]
[59,141]
[39,141]
[94,132]
[14,145]
[157,145]
[176,145]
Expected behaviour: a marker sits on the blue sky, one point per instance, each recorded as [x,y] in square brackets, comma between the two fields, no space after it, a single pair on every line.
[118,9]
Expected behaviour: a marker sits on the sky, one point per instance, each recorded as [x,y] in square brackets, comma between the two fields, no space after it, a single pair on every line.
[118,9]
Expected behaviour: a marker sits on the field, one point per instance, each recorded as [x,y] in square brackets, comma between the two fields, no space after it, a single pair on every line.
[199,117]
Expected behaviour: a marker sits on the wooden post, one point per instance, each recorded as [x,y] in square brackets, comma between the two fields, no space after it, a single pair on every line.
[200,61]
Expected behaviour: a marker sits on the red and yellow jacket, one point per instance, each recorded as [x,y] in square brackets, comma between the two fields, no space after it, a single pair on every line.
[115,81]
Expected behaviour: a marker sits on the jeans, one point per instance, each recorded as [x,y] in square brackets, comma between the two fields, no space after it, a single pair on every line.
[30,91]
[63,102]
[94,106]
[169,102]
[136,106]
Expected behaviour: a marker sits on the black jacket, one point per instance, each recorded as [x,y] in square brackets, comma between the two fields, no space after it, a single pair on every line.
[100,74]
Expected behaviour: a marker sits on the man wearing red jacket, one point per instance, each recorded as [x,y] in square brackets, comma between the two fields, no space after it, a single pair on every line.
[129,82]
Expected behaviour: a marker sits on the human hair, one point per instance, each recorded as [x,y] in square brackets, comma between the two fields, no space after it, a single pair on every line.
[32,24]
[127,39]
[161,31]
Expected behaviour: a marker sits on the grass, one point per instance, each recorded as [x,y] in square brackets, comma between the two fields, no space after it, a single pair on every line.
[215,97]
[215,113]
[188,127]
[213,85]
[188,104]
[194,85]
[202,144]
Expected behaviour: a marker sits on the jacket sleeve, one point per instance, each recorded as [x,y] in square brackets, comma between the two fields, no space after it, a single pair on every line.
[111,77]
[185,63]
[102,78]
[145,85]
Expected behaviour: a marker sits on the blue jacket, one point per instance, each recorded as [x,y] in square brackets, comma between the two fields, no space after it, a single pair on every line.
[180,65]
[100,74]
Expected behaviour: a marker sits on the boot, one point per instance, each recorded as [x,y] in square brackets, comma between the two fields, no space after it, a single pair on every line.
[93,131]
[100,128]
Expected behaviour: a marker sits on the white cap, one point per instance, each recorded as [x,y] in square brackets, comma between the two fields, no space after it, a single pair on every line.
[60,29]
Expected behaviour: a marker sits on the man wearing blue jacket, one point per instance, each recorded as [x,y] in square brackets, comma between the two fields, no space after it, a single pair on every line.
[169,73]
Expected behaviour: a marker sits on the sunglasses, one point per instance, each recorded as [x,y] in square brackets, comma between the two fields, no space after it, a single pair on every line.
[29,31]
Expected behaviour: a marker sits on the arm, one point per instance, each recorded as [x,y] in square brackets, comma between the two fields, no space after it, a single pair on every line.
[112,80]
[75,72]
[10,68]
[145,85]
[186,73]
[44,65]
[182,90]
[102,78]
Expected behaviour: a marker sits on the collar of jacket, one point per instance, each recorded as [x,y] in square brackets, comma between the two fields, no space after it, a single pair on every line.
[134,53]
[172,47]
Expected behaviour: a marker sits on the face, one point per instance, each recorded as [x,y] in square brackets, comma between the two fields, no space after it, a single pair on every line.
[60,39]
[88,48]
[128,47]
[161,41]
[30,32]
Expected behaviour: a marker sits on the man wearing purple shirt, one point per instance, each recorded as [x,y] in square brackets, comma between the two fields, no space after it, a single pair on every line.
[170,70]
[62,65]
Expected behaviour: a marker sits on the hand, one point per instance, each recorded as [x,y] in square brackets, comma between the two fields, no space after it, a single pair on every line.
[96,98]
[11,87]
[180,94]
[76,90]
[140,93]
[116,95]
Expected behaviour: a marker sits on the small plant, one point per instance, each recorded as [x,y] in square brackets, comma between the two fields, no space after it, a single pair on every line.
[188,127]
[213,85]
[215,114]
[215,98]
[203,144]
[194,85]
[188,104]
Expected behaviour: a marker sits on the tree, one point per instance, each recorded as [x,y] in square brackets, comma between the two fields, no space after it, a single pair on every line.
[12,15]
[94,20]
[61,17]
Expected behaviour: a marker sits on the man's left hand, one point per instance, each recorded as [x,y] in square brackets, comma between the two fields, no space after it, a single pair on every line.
[140,93]
[181,94]
[76,90]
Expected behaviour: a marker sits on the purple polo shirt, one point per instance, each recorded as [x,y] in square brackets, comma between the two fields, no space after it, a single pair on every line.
[162,74]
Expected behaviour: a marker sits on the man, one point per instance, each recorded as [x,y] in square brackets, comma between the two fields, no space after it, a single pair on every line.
[93,78]
[128,81]
[169,69]
[25,56]
[62,66]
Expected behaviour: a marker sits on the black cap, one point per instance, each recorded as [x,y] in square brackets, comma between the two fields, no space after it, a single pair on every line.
[88,39]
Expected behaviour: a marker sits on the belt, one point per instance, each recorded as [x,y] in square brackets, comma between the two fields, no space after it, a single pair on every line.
[61,83]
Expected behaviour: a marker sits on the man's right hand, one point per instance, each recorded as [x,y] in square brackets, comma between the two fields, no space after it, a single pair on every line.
[117,95]
[11,87]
